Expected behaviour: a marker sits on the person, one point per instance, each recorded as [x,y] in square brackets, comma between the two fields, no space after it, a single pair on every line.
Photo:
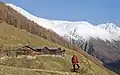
[75,62]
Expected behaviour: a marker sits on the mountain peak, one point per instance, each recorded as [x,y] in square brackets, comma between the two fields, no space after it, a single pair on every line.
[108,26]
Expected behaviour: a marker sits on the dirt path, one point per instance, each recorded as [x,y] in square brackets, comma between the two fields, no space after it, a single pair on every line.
[40,70]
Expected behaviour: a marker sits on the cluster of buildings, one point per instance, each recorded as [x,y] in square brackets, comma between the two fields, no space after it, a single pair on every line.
[31,51]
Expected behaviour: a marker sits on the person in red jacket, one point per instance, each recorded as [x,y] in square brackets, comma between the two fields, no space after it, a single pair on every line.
[75,62]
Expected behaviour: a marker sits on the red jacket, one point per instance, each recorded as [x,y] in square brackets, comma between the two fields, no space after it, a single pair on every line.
[75,59]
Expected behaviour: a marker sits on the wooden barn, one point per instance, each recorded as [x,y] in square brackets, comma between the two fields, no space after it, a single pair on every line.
[50,50]
[55,51]
[26,50]
[43,50]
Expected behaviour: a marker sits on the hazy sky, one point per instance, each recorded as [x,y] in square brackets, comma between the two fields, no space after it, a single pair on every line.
[93,11]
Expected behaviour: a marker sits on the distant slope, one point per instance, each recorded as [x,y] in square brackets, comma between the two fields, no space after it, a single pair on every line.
[104,50]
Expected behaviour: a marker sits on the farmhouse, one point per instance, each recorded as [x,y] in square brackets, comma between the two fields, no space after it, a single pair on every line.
[56,51]
[29,50]
[26,50]
[43,50]
[50,50]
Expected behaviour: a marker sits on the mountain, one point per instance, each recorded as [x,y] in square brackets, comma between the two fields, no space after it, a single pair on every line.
[102,31]
[101,41]
[17,30]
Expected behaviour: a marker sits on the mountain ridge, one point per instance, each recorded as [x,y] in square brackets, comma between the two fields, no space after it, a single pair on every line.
[85,28]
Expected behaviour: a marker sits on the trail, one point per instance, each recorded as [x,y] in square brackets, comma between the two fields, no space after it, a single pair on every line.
[41,70]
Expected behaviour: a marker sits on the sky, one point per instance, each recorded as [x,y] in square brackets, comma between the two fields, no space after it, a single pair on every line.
[93,11]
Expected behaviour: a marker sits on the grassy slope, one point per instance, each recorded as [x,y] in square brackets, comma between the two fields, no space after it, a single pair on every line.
[11,36]
[5,70]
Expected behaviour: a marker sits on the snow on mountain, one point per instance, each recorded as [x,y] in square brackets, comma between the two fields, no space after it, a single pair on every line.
[39,21]
[112,29]
[106,31]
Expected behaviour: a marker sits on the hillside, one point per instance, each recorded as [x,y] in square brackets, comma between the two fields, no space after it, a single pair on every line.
[11,36]
[104,38]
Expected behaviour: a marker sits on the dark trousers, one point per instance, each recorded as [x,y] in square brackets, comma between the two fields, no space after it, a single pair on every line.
[74,66]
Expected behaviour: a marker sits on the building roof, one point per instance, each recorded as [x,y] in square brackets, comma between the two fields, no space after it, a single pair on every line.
[24,47]
[38,47]
[54,48]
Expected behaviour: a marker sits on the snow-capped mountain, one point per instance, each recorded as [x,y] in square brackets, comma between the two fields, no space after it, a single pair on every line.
[106,31]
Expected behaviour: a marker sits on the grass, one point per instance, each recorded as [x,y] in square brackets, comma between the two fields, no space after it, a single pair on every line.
[51,63]
[11,36]
[4,70]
